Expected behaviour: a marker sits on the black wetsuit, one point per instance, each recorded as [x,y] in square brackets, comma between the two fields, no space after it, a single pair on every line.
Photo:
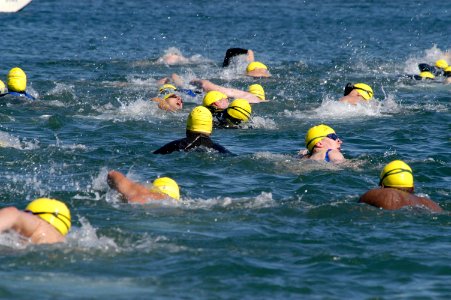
[221,119]
[193,141]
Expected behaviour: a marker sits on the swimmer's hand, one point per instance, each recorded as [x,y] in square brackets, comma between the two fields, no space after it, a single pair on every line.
[198,83]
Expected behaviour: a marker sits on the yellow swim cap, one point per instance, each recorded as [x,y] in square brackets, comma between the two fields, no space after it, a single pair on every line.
[53,212]
[167,186]
[3,89]
[441,63]
[257,90]
[316,134]
[448,72]
[396,174]
[17,80]
[255,65]
[211,97]
[200,120]
[427,74]
[167,88]
[240,109]
[364,90]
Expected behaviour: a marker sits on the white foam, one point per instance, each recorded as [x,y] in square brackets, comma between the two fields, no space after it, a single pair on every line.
[86,238]
[260,201]
[430,56]
[61,88]
[260,122]
[7,140]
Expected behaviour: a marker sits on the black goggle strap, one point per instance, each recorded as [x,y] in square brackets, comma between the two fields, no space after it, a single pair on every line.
[241,110]
[393,172]
[55,214]
[348,88]
[317,137]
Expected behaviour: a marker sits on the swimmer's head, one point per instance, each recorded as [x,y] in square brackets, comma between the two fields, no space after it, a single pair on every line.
[316,134]
[167,88]
[17,80]
[257,90]
[362,89]
[200,120]
[257,69]
[447,72]
[240,109]
[167,186]
[441,63]
[396,174]
[427,75]
[53,212]
[216,100]
[3,89]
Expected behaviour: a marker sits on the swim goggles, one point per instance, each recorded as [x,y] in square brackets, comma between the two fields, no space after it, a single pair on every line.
[349,87]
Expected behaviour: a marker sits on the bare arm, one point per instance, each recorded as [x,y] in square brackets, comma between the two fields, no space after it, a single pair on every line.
[392,199]
[19,221]
[132,191]
[250,55]
[207,86]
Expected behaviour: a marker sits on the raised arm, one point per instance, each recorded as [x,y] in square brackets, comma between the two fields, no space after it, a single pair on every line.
[132,191]
[207,86]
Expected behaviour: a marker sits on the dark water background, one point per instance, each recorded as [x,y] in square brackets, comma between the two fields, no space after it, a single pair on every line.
[262,224]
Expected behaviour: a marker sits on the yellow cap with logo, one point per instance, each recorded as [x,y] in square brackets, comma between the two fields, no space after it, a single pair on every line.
[200,120]
[255,65]
[167,186]
[213,96]
[167,88]
[257,90]
[315,134]
[396,174]
[441,63]
[17,80]
[364,90]
[53,212]
[240,109]
[427,75]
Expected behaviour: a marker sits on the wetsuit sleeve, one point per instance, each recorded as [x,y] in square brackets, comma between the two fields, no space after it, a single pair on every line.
[231,53]
[170,147]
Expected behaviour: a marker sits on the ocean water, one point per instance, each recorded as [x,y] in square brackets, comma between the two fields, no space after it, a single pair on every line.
[258,225]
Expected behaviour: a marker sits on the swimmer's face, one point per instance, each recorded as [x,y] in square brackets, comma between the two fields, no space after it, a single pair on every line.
[259,72]
[332,141]
[221,104]
[174,102]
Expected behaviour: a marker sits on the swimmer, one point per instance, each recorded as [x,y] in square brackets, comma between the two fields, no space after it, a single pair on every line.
[257,69]
[233,52]
[17,83]
[437,70]
[199,127]
[177,82]
[44,221]
[134,192]
[225,115]
[237,113]
[173,56]
[447,75]
[357,93]
[323,144]
[168,98]
[254,94]
[396,190]
[216,102]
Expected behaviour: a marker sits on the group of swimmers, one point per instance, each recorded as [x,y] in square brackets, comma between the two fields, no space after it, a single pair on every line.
[47,220]
[428,72]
